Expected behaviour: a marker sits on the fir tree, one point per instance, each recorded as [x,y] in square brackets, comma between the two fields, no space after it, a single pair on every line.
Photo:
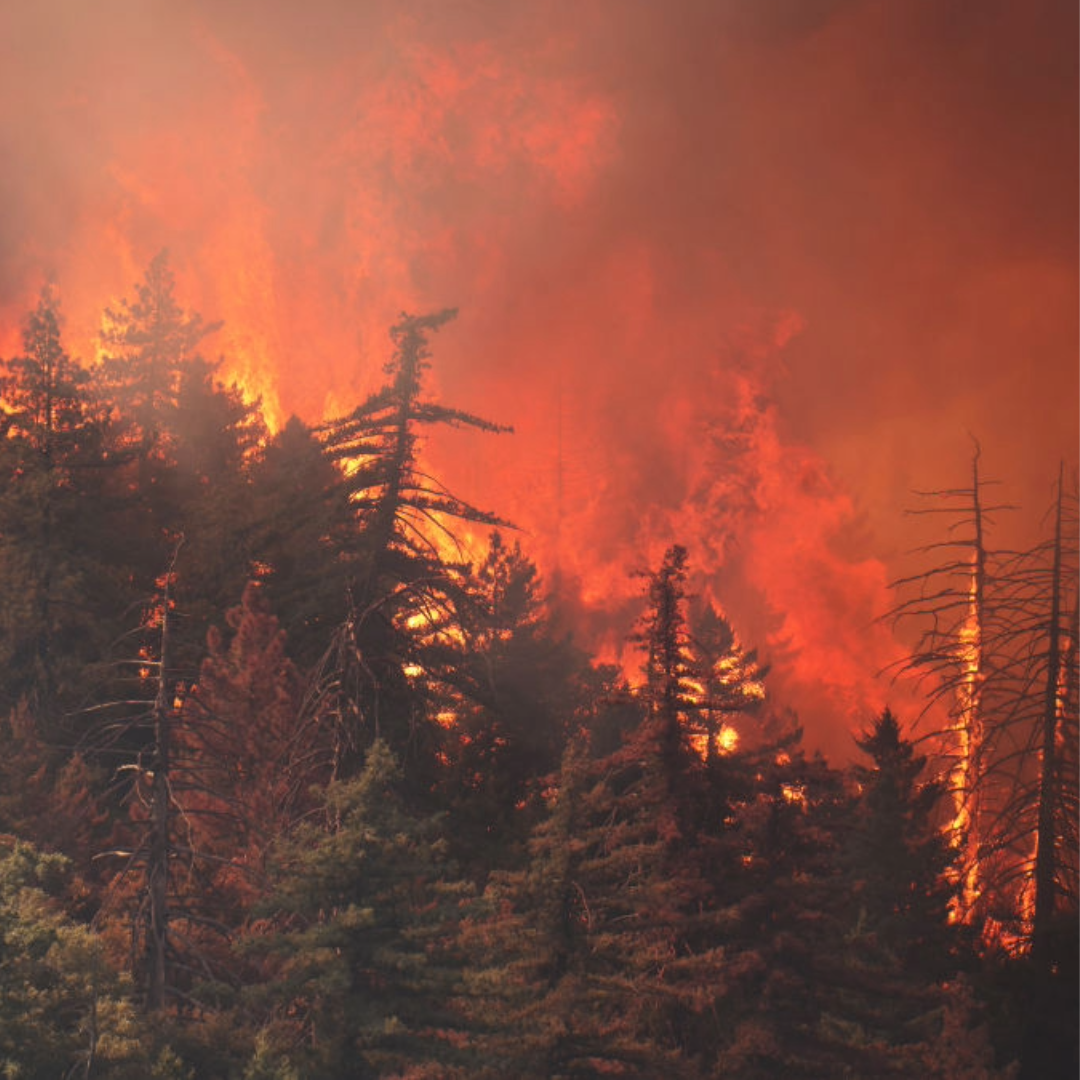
[355,978]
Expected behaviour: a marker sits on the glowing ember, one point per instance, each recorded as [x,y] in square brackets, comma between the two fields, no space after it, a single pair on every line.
[727,740]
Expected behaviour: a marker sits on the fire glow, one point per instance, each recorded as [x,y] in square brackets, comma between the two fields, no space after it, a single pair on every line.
[968,731]
[581,188]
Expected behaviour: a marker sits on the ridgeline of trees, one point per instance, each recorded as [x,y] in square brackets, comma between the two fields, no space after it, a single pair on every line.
[287,791]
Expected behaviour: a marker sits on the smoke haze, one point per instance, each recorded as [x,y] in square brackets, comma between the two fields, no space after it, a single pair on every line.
[741,273]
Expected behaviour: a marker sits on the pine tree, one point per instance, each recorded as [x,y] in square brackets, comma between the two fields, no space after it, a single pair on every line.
[605,953]
[402,599]
[53,616]
[355,981]
[514,684]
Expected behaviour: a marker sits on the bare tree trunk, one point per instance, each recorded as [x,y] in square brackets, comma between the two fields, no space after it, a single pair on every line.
[967,772]
[157,869]
[1045,870]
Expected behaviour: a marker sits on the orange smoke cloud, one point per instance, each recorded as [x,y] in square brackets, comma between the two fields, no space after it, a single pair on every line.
[740,275]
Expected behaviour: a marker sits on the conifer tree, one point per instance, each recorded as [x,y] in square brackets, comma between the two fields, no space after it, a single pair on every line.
[897,859]
[63,1010]
[149,342]
[882,995]
[53,619]
[243,760]
[301,524]
[606,950]
[185,443]
[401,509]
[356,987]
[527,991]
[514,684]
[401,603]
[732,681]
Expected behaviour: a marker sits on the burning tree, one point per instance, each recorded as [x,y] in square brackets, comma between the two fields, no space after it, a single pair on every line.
[997,650]
[400,589]
[603,954]
[1038,734]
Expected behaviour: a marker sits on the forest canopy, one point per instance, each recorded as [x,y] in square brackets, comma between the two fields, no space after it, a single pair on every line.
[295,783]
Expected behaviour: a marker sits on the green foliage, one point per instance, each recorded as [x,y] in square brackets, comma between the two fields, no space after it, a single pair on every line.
[359,905]
[63,1009]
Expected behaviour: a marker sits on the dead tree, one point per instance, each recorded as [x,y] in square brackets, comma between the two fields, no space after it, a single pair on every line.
[998,651]
[1035,761]
[956,660]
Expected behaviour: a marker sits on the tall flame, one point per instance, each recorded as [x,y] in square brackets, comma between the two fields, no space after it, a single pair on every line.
[629,208]
[967,730]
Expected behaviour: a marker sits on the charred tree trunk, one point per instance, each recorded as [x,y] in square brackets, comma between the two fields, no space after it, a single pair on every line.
[400,457]
[970,721]
[1045,868]
[160,848]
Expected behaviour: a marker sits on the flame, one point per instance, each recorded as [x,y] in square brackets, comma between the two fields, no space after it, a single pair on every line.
[454,163]
[724,742]
[795,794]
[727,739]
[967,730]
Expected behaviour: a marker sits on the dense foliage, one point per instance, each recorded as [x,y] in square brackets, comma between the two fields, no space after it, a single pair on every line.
[293,786]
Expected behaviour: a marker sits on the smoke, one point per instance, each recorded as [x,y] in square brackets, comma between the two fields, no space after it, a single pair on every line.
[850,225]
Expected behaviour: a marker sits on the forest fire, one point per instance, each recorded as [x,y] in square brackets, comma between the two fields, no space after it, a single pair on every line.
[624,394]
[513,690]
[968,734]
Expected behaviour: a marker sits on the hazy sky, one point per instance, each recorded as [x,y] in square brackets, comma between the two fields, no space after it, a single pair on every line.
[844,231]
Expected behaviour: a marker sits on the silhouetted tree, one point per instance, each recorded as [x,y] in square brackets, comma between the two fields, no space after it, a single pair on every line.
[515,686]
[404,591]
[53,621]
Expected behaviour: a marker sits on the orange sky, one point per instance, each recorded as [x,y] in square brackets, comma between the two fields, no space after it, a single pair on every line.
[741,272]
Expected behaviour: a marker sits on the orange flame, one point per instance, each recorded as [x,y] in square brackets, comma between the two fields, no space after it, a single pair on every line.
[967,729]
[450,164]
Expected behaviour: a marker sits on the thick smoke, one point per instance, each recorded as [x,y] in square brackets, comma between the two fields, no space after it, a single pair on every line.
[850,226]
